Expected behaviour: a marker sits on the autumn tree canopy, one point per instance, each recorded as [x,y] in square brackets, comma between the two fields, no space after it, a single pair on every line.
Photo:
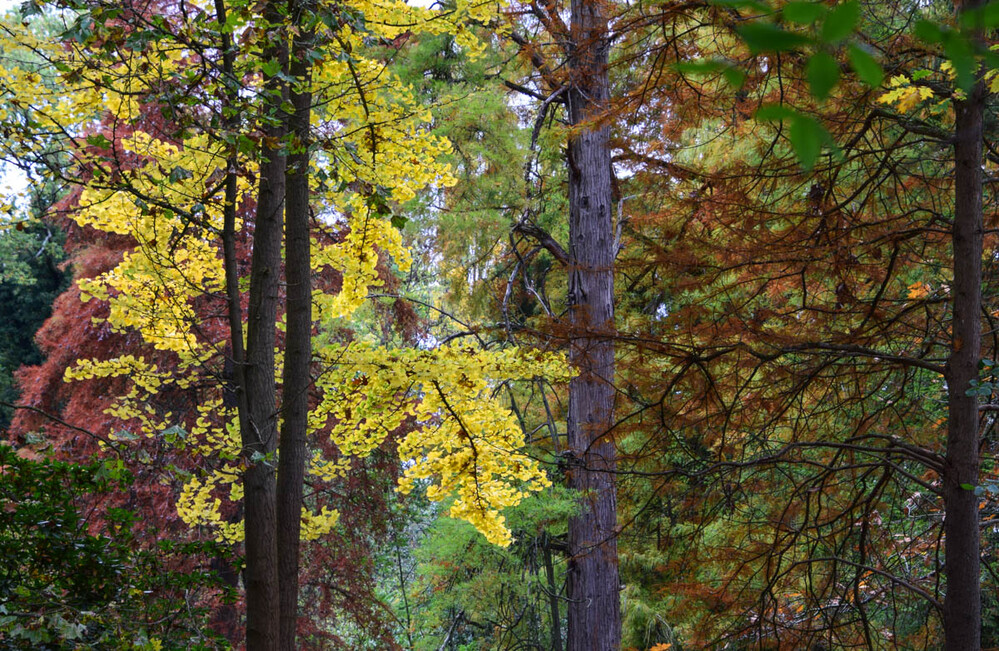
[586,325]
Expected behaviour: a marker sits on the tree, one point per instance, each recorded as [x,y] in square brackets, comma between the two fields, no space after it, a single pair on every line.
[593,580]
[809,301]
[594,602]
[962,532]
[161,190]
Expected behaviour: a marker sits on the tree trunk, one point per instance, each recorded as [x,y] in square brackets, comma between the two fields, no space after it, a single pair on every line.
[556,617]
[593,611]
[298,349]
[963,601]
[260,436]
[227,620]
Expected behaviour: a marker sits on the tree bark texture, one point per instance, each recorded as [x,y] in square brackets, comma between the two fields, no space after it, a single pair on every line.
[593,610]
[260,436]
[298,349]
[227,618]
[963,600]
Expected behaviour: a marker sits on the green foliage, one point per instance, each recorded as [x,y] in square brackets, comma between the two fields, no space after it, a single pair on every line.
[866,66]
[469,594]
[471,221]
[74,577]
[30,279]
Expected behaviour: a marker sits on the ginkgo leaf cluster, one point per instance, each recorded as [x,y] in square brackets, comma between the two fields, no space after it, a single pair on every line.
[162,189]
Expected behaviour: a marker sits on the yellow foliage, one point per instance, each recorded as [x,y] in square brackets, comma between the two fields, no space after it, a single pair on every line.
[918,290]
[904,95]
[372,134]
[468,444]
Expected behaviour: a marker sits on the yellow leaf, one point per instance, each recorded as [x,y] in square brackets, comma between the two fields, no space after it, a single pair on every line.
[918,290]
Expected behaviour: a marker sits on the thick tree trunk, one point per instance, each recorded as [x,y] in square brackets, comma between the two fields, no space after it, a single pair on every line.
[963,601]
[259,438]
[298,350]
[593,610]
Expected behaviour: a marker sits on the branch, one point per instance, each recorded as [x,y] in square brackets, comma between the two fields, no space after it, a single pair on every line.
[524,90]
[853,350]
[106,441]
[536,59]
[542,237]
[915,126]
[933,601]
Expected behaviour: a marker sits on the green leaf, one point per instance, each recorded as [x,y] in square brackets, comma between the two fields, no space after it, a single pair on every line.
[928,32]
[807,136]
[982,389]
[399,221]
[246,145]
[376,203]
[270,68]
[967,487]
[970,18]
[803,13]
[733,75]
[99,140]
[773,113]
[178,174]
[959,50]
[866,66]
[699,67]
[990,15]
[980,17]
[841,21]
[30,8]
[822,72]
[766,37]
[990,59]
[172,434]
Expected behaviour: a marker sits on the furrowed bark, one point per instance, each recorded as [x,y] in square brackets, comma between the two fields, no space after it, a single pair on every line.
[593,609]
[298,349]
[260,436]
[963,601]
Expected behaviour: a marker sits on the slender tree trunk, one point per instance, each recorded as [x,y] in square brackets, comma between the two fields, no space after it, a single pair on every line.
[259,438]
[234,373]
[555,616]
[963,601]
[298,349]
[593,610]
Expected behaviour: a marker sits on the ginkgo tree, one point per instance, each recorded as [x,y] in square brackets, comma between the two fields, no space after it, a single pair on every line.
[197,128]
